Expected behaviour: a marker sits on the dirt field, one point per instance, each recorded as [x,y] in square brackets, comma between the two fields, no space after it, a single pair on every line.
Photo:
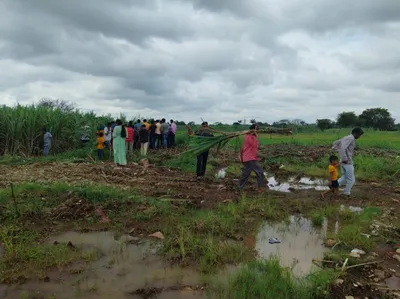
[182,188]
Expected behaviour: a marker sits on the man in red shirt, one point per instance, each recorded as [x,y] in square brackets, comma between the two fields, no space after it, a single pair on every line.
[248,156]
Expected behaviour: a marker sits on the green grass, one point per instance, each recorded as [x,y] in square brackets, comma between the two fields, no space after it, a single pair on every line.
[201,234]
[353,225]
[192,235]
[367,167]
[371,139]
[267,279]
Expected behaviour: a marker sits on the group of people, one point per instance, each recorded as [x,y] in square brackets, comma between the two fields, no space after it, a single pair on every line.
[124,138]
[344,147]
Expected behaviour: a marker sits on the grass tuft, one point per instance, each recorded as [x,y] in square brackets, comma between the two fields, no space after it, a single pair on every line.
[317,218]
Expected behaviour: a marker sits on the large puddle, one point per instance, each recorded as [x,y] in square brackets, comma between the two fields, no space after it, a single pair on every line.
[294,183]
[128,264]
[300,242]
[122,269]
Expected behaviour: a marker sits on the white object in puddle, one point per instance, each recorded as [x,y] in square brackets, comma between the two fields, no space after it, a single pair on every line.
[357,252]
[351,208]
[221,173]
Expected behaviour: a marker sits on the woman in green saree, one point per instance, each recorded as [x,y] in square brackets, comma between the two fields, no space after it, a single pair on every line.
[119,135]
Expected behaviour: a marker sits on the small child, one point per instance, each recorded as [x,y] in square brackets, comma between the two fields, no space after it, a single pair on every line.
[100,145]
[333,173]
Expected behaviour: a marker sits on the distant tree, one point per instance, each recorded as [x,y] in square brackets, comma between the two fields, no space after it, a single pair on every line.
[253,121]
[217,123]
[239,121]
[236,123]
[190,124]
[283,123]
[62,105]
[324,124]
[377,118]
[347,119]
[180,123]
[298,122]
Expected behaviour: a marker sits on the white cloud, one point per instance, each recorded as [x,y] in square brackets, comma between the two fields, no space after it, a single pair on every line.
[222,60]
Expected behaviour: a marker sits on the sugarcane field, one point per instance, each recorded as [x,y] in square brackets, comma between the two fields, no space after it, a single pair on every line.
[92,207]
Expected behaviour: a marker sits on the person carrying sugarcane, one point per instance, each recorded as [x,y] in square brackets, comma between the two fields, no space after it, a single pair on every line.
[248,156]
[202,158]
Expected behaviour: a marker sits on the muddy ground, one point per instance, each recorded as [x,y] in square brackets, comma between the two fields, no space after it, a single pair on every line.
[178,186]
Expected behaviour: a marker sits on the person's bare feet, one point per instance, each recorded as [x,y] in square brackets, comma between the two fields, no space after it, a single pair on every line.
[322,195]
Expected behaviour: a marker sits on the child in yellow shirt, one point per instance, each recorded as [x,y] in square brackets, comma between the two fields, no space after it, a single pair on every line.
[333,175]
[100,145]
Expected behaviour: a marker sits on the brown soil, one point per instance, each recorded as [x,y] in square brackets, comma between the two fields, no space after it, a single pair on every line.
[178,186]
[169,184]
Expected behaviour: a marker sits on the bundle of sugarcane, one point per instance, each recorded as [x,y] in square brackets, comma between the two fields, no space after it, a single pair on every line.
[201,144]
[282,131]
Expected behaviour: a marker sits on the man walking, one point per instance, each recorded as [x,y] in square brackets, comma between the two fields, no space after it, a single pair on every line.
[204,131]
[345,148]
[248,156]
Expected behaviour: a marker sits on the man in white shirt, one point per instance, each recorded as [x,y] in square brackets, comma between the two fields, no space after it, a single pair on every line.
[345,148]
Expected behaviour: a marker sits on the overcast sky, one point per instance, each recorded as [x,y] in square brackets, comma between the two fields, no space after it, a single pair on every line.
[221,60]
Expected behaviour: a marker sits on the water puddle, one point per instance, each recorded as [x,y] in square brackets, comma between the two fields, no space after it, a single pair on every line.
[300,242]
[295,183]
[122,269]
[127,264]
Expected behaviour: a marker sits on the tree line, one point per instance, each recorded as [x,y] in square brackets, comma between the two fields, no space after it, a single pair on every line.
[374,118]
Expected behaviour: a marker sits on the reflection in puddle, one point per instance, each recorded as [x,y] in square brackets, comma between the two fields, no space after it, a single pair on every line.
[297,184]
[300,242]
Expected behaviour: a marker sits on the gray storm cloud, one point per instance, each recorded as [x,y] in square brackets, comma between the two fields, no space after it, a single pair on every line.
[224,60]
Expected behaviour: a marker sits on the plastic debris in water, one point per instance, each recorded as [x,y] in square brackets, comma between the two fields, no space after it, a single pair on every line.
[221,173]
[274,241]
[357,252]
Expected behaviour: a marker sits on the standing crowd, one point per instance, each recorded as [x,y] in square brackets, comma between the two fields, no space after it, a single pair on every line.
[123,139]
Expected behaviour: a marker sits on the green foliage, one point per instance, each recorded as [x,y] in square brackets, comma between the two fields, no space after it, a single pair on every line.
[22,131]
[324,124]
[377,118]
[347,120]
